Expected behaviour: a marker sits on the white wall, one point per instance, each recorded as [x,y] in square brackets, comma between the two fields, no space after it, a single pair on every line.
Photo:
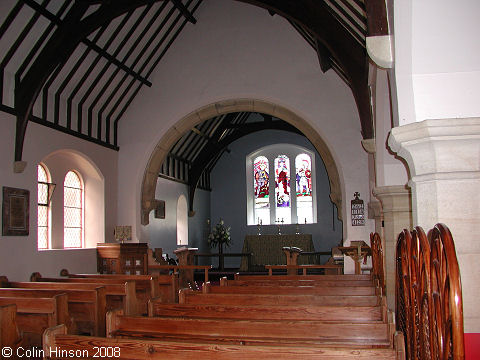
[19,256]
[436,59]
[162,233]
[240,51]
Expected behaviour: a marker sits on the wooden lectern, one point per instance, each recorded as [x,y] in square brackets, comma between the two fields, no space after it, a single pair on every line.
[186,257]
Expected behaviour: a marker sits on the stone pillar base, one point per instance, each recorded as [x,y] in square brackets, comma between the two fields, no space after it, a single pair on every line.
[397,215]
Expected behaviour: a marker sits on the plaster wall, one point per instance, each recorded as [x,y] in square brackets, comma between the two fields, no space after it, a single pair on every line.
[19,256]
[238,51]
[163,232]
[389,170]
[436,54]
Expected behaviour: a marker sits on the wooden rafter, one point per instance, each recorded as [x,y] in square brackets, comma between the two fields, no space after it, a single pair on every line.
[63,42]
[350,54]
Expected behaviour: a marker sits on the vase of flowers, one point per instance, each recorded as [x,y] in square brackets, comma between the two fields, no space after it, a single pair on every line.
[220,236]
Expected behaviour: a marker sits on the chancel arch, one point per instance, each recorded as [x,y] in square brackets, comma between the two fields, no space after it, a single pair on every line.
[159,154]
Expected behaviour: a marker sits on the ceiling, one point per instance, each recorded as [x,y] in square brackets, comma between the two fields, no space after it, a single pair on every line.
[76,66]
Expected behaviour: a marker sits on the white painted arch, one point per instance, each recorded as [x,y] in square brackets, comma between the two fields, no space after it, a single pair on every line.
[157,157]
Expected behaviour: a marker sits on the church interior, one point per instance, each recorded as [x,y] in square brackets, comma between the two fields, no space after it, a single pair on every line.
[193,148]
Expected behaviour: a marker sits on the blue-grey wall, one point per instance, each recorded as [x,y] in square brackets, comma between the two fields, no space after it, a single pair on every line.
[163,232]
[228,196]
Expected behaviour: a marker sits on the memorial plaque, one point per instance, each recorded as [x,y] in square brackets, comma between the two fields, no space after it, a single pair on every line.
[15,212]
[358,211]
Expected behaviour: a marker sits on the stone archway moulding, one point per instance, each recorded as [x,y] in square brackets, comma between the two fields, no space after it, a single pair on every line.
[149,184]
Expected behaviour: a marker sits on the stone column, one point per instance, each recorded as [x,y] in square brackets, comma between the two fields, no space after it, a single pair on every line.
[397,215]
[444,160]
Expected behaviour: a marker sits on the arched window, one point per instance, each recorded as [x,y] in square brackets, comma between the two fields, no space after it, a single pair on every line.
[292,187]
[182,220]
[72,211]
[303,170]
[261,190]
[43,208]
[282,190]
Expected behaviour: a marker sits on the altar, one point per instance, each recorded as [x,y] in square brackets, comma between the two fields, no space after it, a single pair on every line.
[267,250]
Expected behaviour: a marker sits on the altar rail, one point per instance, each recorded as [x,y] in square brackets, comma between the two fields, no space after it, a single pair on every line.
[429,295]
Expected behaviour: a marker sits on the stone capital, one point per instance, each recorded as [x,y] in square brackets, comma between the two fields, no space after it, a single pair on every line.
[394,198]
[443,147]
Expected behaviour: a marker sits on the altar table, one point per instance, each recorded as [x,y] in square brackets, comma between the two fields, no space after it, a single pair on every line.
[267,250]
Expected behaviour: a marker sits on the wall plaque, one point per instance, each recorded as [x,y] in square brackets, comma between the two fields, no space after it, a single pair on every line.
[15,212]
[358,215]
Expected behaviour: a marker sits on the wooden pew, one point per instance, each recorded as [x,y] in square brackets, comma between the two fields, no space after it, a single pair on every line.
[248,331]
[119,293]
[194,297]
[291,290]
[141,349]
[9,333]
[164,286]
[346,277]
[87,308]
[293,269]
[291,282]
[35,315]
[268,312]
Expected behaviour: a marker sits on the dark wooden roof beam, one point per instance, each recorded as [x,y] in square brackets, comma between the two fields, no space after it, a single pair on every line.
[323,56]
[183,9]
[377,23]
[52,17]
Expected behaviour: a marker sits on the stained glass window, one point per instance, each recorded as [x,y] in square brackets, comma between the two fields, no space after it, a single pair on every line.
[303,167]
[42,208]
[282,189]
[72,210]
[261,187]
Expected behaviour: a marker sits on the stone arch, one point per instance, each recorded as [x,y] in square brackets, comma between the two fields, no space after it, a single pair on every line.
[149,183]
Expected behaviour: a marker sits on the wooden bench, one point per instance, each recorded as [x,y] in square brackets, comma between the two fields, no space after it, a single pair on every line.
[248,331]
[142,349]
[299,282]
[347,277]
[87,308]
[9,333]
[35,315]
[194,297]
[269,312]
[292,290]
[294,268]
[119,293]
[161,286]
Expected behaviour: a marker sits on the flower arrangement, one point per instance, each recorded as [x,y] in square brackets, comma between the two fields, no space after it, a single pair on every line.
[219,236]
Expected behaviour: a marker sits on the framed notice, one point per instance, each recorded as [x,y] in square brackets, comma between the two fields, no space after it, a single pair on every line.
[160,209]
[357,208]
[15,212]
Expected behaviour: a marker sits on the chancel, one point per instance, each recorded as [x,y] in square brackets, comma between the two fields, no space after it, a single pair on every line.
[238,139]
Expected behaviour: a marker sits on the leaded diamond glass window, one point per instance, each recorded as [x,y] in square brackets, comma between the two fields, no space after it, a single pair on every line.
[72,210]
[42,208]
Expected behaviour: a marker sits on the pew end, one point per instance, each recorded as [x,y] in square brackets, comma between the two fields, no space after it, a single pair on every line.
[48,338]
[64,272]
[35,277]
[10,336]
[111,321]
